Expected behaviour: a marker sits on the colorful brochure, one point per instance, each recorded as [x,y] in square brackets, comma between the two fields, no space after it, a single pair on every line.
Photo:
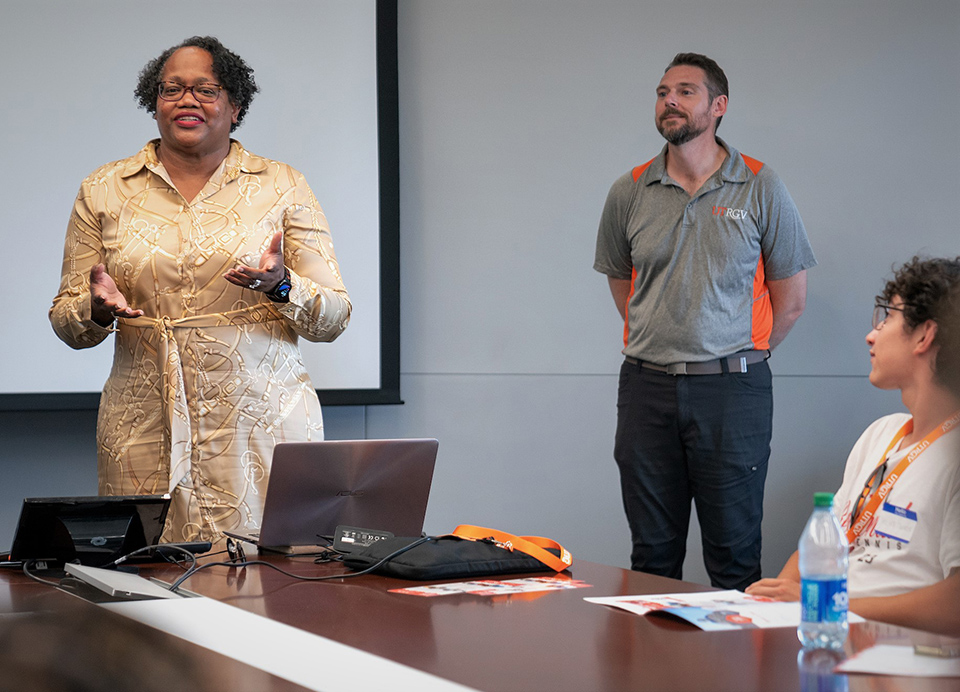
[714,610]
[495,587]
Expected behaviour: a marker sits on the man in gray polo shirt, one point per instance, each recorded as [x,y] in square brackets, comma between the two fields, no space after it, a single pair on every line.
[706,257]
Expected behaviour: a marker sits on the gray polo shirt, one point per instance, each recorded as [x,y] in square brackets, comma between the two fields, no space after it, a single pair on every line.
[700,261]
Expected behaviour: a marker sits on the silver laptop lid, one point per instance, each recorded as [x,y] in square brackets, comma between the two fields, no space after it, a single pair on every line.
[373,484]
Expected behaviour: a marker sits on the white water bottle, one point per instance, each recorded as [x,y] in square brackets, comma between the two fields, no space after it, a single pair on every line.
[824,557]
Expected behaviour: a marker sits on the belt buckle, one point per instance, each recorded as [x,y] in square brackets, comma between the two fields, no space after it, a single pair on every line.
[737,364]
[677,369]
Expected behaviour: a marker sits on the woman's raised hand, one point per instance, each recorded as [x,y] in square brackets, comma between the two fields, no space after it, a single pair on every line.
[106,301]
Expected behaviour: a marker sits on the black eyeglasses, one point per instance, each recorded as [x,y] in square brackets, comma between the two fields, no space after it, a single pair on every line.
[204,93]
[869,487]
[881,312]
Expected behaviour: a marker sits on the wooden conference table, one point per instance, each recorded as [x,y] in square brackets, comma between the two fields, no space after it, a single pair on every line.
[544,641]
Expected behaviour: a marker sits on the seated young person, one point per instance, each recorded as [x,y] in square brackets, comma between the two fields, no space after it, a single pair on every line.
[906,461]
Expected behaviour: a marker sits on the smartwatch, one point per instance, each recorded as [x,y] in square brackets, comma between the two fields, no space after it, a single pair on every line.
[281,293]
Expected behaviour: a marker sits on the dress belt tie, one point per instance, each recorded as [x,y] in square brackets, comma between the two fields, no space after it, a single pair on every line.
[738,362]
[173,397]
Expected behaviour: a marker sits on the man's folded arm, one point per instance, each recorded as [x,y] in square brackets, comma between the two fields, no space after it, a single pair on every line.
[620,290]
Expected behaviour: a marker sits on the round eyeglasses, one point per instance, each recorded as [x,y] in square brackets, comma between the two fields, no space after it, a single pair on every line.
[881,312]
[204,93]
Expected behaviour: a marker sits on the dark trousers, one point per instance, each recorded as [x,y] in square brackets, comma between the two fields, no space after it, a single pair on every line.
[704,438]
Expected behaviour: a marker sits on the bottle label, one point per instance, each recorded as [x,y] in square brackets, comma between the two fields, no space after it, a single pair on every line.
[823,600]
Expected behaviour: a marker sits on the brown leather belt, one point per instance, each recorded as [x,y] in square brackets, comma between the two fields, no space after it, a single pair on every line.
[738,362]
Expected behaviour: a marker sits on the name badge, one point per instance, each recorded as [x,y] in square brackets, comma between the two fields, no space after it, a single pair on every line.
[895,523]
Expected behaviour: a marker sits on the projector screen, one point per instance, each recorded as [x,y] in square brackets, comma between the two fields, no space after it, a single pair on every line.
[327,106]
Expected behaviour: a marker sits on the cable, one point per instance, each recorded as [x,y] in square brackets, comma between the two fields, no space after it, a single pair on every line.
[193,570]
[327,556]
[392,555]
[26,570]
[71,584]
[165,546]
[194,567]
[180,563]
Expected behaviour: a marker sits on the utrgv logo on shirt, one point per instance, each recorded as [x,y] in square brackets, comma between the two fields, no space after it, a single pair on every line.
[730,213]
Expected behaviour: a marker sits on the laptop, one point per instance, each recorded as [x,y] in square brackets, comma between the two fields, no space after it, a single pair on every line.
[316,486]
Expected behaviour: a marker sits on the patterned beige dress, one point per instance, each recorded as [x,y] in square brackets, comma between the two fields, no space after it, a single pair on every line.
[210,378]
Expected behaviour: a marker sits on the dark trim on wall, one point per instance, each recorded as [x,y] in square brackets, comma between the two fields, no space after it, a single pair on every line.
[388,105]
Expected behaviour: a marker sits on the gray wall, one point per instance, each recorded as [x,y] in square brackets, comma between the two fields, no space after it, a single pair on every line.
[516,116]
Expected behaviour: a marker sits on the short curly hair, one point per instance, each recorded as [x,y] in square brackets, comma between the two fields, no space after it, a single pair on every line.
[231,71]
[930,290]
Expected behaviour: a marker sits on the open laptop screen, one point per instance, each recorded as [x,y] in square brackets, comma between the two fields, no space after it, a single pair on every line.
[371,484]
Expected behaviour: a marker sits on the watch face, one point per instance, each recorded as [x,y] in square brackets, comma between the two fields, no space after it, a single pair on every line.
[282,292]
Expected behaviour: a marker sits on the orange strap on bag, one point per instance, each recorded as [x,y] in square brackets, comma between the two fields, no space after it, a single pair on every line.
[534,546]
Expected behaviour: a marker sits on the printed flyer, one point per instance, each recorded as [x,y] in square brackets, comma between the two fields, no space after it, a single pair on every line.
[714,610]
[495,587]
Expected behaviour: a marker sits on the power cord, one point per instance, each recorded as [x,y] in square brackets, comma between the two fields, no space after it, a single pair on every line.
[193,570]
[327,556]
[165,546]
[27,564]
[179,562]
[194,567]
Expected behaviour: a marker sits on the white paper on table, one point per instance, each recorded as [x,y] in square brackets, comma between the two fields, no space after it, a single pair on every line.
[279,649]
[886,659]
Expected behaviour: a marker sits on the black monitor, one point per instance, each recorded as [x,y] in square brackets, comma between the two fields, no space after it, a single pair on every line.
[93,530]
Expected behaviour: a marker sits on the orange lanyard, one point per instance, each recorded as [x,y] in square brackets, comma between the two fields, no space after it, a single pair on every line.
[874,502]
[534,546]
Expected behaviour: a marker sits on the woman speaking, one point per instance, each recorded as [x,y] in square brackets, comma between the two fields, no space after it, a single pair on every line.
[208,263]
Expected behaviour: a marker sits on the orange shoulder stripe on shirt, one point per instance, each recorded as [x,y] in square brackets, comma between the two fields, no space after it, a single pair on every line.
[637,172]
[752,164]
[761,323]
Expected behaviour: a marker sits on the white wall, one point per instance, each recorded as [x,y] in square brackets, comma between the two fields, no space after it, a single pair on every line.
[69,70]
[516,116]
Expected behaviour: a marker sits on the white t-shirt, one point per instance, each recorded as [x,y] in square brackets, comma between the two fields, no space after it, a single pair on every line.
[914,539]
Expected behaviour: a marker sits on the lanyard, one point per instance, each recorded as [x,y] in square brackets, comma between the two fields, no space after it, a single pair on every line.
[874,502]
[534,546]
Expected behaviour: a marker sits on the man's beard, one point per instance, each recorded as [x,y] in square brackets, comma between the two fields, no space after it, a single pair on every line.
[682,134]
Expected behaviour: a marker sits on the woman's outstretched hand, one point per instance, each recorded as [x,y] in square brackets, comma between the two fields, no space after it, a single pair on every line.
[267,276]
[106,301]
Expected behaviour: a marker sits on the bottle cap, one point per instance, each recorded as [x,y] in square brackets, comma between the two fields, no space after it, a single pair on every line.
[823,499]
